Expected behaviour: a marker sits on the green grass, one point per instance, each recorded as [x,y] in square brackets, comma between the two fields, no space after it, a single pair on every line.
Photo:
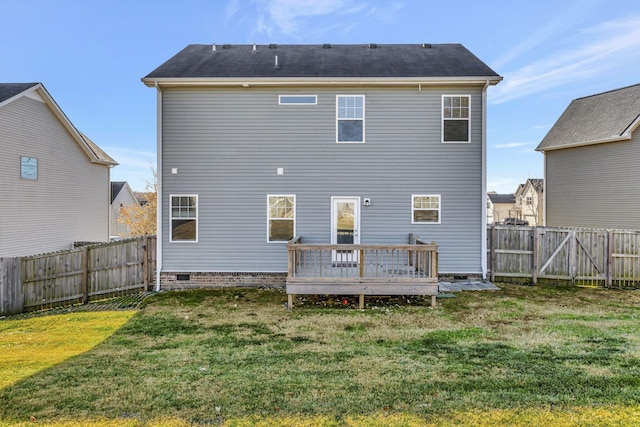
[520,356]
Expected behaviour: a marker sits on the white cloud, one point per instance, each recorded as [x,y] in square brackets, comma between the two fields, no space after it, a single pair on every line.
[511,145]
[601,49]
[502,185]
[287,16]
[292,17]
[134,166]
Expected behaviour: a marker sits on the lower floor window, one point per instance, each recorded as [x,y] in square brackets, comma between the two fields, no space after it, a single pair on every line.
[281,218]
[425,209]
[184,218]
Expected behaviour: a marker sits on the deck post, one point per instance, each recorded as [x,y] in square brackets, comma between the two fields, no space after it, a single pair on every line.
[289,302]
[433,301]
[361,301]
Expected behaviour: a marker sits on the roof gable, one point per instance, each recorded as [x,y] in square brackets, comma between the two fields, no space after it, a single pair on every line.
[199,61]
[11,91]
[605,117]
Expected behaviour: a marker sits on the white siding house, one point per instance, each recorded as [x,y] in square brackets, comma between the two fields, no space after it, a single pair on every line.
[591,157]
[122,196]
[54,181]
[258,144]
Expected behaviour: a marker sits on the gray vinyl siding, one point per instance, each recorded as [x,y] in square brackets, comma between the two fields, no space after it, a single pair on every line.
[227,144]
[594,186]
[69,201]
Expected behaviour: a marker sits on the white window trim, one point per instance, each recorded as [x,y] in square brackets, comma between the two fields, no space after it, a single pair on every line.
[295,214]
[364,127]
[442,119]
[171,218]
[315,102]
[413,209]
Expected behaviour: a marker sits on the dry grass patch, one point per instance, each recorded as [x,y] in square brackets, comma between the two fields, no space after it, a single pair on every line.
[30,345]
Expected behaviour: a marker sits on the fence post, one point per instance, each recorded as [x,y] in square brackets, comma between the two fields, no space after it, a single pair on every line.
[609,258]
[145,262]
[85,274]
[534,269]
[493,252]
[11,295]
[573,255]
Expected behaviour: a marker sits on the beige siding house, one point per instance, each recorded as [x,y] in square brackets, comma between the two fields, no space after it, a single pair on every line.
[122,196]
[54,181]
[503,206]
[591,159]
[529,202]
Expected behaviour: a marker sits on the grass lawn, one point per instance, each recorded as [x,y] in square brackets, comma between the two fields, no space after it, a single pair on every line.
[521,356]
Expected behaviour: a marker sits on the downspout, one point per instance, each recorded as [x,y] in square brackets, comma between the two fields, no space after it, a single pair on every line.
[159,188]
[483,255]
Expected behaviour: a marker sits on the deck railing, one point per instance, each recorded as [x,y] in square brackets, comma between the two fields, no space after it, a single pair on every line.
[362,269]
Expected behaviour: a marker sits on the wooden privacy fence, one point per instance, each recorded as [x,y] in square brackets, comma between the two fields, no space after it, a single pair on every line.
[77,275]
[589,257]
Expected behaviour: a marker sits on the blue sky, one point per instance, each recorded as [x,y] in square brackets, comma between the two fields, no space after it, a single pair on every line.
[90,55]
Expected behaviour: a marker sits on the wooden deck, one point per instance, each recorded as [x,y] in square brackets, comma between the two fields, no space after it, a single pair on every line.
[347,269]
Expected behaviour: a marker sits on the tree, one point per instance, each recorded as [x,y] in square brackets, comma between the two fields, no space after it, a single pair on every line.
[141,218]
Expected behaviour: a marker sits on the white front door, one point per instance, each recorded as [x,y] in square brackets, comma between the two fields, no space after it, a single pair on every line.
[345,227]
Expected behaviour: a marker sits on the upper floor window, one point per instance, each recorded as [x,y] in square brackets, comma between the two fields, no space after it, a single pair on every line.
[425,209]
[281,217]
[29,168]
[456,118]
[183,214]
[350,118]
[297,99]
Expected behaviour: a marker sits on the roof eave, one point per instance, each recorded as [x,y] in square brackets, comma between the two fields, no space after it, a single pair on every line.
[319,81]
[615,138]
[75,134]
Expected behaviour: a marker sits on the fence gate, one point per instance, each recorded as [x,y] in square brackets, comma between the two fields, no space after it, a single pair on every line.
[583,256]
[576,255]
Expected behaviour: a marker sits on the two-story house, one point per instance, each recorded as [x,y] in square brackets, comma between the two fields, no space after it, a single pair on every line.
[529,201]
[334,143]
[591,157]
[54,180]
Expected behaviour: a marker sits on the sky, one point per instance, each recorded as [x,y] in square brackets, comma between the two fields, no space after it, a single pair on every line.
[90,55]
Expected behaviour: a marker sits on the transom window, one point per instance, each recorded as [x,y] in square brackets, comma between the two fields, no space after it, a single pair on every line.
[455,118]
[184,218]
[297,99]
[425,209]
[350,118]
[281,218]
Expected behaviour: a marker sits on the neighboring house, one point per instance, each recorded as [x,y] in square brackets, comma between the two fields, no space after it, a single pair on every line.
[530,201]
[591,157]
[490,208]
[259,144]
[504,206]
[54,181]
[121,197]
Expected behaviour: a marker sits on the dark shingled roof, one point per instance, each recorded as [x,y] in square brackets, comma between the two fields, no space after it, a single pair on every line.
[9,90]
[318,61]
[502,198]
[602,117]
[116,187]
